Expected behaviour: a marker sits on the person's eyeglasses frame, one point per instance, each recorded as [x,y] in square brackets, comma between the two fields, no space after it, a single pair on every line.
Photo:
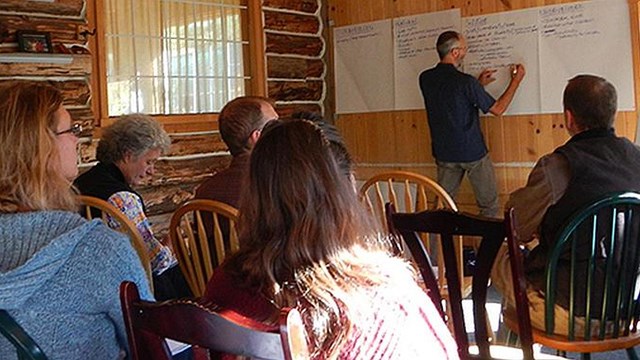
[75,129]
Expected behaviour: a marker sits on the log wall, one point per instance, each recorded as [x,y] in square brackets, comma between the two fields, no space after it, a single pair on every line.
[401,140]
[295,49]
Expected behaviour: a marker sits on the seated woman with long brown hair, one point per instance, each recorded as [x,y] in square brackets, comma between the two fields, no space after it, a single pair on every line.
[59,273]
[307,243]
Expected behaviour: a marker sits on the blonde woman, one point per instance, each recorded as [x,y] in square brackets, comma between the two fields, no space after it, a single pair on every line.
[308,244]
[59,274]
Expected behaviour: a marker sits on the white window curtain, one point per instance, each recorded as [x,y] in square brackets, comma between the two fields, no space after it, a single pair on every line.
[174,56]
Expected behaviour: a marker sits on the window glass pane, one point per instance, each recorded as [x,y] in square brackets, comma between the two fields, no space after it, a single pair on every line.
[147,18]
[148,57]
[120,56]
[119,90]
[232,24]
[234,60]
[236,87]
[205,66]
[209,22]
[118,17]
[150,98]
[207,94]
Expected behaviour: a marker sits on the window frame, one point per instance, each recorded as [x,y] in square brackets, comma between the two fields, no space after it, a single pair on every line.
[175,122]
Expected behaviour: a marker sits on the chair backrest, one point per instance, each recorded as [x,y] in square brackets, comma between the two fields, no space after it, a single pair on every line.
[493,233]
[409,192]
[597,256]
[202,232]
[208,327]
[26,347]
[114,218]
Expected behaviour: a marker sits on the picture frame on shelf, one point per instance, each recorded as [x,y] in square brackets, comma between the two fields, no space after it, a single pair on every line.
[34,41]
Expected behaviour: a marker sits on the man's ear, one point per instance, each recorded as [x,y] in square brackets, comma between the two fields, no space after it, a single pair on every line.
[253,138]
[570,122]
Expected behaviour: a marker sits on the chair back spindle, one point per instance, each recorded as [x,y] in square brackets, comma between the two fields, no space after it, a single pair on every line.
[202,233]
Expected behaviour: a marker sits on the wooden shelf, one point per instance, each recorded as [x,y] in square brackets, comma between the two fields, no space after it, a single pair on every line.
[36,58]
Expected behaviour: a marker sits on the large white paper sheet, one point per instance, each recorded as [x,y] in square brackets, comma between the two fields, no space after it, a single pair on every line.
[364,67]
[589,37]
[415,50]
[498,41]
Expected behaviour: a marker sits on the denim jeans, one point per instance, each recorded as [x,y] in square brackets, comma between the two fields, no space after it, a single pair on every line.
[481,176]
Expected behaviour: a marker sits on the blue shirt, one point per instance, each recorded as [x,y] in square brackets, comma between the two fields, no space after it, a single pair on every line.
[452,99]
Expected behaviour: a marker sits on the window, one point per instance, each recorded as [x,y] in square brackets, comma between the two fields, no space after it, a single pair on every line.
[168,57]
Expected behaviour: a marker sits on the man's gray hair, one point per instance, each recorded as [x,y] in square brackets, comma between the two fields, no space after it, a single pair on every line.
[132,134]
[446,42]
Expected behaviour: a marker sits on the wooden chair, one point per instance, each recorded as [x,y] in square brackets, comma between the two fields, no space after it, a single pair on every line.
[603,286]
[94,207]
[201,231]
[493,233]
[416,193]
[208,327]
[26,347]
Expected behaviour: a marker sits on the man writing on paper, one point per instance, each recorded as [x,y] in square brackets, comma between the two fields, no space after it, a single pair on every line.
[452,99]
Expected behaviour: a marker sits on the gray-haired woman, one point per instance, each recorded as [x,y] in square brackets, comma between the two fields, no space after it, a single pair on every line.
[127,153]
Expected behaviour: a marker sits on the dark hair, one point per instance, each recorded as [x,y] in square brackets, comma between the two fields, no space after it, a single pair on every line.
[592,101]
[238,119]
[336,142]
[306,240]
[307,115]
[447,41]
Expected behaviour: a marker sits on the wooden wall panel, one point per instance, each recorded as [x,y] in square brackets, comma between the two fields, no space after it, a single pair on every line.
[401,140]
[57,8]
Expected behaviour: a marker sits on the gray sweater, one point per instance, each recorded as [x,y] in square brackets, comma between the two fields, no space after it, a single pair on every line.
[60,278]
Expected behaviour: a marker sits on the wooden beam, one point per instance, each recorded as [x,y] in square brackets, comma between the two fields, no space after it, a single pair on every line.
[257,56]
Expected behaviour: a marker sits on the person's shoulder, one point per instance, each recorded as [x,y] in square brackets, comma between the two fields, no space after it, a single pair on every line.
[86,176]
[427,72]
[553,159]
[211,184]
[468,78]
[430,73]
[98,232]
[629,143]
[99,182]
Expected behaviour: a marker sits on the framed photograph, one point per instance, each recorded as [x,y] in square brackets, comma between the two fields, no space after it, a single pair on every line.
[34,41]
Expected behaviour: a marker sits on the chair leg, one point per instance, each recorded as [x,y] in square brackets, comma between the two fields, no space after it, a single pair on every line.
[586,356]
[631,354]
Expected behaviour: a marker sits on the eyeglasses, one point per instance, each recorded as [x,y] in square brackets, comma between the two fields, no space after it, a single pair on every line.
[75,129]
